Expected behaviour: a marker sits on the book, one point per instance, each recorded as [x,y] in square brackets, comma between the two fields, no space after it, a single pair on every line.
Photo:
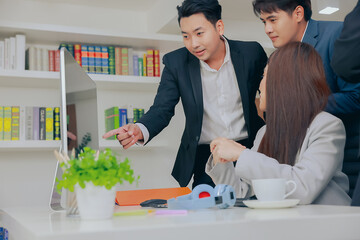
[104,60]
[51,60]
[156,63]
[57,133]
[91,54]
[77,53]
[1,123]
[122,117]
[29,123]
[7,53]
[136,114]
[98,60]
[57,60]
[36,123]
[111,120]
[135,65]
[42,123]
[38,54]
[117,60]
[85,58]
[49,124]
[7,123]
[44,59]
[22,124]
[15,123]
[111,50]
[71,125]
[144,65]
[2,55]
[141,67]
[130,61]
[12,54]
[20,52]
[124,61]
[150,62]
[70,48]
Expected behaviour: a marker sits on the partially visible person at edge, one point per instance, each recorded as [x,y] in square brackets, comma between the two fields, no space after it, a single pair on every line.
[216,80]
[290,20]
[299,142]
[346,57]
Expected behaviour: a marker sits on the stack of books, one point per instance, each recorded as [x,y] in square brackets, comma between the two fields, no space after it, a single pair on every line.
[12,53]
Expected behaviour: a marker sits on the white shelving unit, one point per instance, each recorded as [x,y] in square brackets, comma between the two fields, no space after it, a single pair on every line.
[27,167]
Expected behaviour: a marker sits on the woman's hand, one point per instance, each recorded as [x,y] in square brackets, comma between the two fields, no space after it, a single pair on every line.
[225,150]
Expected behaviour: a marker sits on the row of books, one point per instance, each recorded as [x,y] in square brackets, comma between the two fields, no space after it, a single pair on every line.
[115,60]
[116,117]
[12,53]
[42,59]
[29,123]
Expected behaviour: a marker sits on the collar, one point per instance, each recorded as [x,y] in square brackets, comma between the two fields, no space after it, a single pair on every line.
[307,24]
[226,58]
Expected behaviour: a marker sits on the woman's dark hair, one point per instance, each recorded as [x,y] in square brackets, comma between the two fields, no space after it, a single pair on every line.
[269,6]
[296,91]
[210,8]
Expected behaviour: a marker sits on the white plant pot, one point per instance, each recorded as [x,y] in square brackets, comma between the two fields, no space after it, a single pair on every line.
[95,202]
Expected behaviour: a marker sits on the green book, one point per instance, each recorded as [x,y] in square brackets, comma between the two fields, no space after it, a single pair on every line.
[111,120]
[49,124]
[111,50]
[141,67]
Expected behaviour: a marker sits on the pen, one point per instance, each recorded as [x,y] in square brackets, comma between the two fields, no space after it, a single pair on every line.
[138,212]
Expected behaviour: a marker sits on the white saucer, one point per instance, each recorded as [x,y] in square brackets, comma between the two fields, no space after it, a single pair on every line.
[286,203]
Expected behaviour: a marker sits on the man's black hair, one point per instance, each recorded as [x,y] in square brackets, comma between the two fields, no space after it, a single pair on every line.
[210,8]
[269,6]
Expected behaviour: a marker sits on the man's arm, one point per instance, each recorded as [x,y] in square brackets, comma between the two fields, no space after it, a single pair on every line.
[346,57]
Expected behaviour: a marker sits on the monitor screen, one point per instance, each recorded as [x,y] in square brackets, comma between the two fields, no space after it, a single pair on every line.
[78,114]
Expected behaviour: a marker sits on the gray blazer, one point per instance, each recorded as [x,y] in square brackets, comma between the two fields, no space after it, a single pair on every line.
[317,170]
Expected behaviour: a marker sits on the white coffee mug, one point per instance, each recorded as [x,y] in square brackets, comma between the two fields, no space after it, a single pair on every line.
[272,189]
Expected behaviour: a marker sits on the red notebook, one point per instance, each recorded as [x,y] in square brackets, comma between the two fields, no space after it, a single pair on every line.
[135,197]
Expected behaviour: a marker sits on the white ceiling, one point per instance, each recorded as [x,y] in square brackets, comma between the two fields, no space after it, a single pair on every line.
[240,21]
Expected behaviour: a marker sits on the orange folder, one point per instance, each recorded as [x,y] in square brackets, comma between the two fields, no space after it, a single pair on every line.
[135,197]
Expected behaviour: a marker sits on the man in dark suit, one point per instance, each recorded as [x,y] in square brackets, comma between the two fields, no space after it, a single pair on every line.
[346,57]
[216,80]
[290,20]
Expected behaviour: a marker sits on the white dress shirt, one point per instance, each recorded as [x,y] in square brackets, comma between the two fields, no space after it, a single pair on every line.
[223,112]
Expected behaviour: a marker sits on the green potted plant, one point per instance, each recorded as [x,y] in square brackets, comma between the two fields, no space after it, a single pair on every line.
[93,176]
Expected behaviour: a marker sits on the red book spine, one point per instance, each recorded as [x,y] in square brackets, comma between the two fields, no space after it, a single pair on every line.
[77,53]
[157,63]
[150,63]
[57,61]
[51,60]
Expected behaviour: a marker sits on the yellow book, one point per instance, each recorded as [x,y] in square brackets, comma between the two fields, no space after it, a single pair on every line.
[49,123]
[1,123]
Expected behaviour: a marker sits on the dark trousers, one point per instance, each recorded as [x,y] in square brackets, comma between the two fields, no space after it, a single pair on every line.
[202,156]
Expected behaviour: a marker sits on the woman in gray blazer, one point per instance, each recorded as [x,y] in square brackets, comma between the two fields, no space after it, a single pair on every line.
[300,142]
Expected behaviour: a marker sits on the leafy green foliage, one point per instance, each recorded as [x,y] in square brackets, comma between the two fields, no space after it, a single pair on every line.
[104,170]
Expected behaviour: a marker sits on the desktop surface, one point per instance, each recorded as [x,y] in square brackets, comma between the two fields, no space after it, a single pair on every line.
[300,222]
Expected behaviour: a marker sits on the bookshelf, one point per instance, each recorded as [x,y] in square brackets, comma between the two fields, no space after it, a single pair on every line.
[29,166]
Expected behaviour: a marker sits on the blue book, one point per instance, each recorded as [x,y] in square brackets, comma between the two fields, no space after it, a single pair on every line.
[122,116]
[91,55]
[104,60]
[85,58]
[136,65]
[98,62]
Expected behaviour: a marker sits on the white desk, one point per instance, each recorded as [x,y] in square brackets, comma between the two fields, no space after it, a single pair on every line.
[301,222]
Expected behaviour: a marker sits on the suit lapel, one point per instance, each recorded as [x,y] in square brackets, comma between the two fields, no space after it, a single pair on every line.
[195,79]
[311,33]
[241,76]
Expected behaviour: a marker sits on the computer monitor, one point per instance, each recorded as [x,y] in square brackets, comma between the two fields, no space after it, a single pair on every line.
[78,103]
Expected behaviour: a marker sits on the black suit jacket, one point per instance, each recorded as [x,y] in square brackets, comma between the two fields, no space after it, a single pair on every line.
[181,79]
[346,57]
